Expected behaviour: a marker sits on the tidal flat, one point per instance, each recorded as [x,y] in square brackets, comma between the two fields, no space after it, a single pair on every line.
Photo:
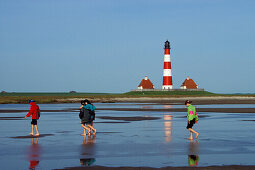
[131,135]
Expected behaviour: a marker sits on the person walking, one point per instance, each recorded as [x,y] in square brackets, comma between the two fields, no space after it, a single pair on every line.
[35,112]
[84,116]
[91,110]
[192,118]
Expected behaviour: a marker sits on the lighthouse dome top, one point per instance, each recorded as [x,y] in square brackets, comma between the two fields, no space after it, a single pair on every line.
[167,44]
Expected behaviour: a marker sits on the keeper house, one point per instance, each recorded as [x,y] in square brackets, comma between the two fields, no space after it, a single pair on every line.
[146,84]
[189,84]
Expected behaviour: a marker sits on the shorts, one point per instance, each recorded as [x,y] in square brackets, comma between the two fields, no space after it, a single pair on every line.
[193,157]
[82,122]
[190,125]
[34,122]
[87,123]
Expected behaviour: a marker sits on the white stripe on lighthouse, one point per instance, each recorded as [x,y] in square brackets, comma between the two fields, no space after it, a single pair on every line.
[167,58]
[167,72]
[167,87]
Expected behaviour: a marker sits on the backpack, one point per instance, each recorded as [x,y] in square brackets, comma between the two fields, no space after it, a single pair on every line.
[37,111]
[81,115]
[92,113]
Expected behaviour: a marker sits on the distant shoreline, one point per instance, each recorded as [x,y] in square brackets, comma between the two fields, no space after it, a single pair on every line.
[179,100]
[173,100]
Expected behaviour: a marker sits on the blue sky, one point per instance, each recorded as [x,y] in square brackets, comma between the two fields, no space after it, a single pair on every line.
[110,45]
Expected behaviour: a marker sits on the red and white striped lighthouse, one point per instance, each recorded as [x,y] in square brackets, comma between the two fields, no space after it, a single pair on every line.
[167,74]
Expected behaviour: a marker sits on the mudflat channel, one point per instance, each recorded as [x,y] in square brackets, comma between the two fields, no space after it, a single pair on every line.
[130,135]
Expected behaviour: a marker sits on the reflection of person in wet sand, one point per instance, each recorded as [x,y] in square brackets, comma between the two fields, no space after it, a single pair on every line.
[35,112]
[88,117]
[88,161]
[193,157]
[88,149]
[91,140]
[192,119]
[193,160]
[34,154]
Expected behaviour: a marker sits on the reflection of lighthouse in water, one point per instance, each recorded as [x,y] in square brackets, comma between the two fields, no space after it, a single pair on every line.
[168,127]
[167,74]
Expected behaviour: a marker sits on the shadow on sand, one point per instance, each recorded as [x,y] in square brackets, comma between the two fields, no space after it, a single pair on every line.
[30,136]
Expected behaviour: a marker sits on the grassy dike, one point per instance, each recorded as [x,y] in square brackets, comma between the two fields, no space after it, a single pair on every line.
[8,98]
[13,98]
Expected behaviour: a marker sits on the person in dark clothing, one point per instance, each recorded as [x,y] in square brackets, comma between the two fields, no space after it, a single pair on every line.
[85,119]
[35,112]
[89,106]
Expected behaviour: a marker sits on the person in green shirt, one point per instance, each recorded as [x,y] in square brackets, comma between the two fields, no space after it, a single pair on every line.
[192,118]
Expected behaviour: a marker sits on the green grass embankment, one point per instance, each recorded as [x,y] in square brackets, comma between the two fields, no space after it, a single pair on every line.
[7,98]
[54,94]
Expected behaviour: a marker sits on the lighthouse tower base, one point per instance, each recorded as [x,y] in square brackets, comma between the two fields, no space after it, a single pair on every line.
[167,87]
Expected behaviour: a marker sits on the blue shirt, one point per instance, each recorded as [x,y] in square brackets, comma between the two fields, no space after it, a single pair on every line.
[90,107]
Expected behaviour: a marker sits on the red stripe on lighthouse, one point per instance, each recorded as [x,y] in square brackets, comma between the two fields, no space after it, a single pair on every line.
[167,80]
[167,65]
[167,51]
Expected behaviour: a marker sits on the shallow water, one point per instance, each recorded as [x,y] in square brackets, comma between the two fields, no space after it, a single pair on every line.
[224,138]
[120,105]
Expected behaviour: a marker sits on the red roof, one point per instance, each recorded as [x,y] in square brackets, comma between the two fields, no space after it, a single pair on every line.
[189,83]
[146,84]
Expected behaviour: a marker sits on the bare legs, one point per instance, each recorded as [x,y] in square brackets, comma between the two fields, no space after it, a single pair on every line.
[84,129]
[191,133]
[88,128]
[91,127]
[36,129]
[32,133]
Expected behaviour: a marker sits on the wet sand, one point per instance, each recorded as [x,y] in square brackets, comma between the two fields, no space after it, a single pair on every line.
[136,118]
[12,118]
[218,110]
[129,136]
[31,136]
[21,110]
[114,122]
[233,167]
[153,101]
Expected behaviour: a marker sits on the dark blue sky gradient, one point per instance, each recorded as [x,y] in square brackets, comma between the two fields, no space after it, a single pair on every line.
[110,45]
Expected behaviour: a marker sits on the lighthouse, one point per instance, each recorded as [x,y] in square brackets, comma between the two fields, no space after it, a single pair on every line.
[167,73]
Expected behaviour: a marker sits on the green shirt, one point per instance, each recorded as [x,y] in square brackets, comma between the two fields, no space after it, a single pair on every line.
[192,113]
